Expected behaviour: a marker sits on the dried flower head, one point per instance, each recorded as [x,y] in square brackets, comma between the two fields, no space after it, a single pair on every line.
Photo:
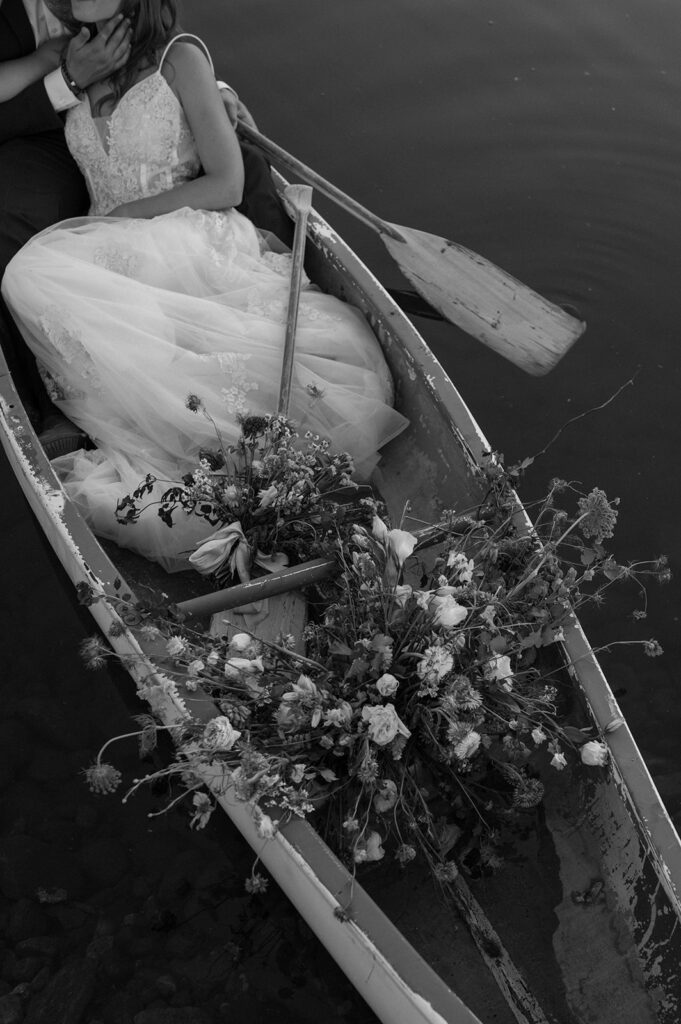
[93,652]
[193,403]
[102,778]
[599,517]
[256,884]
[528,793]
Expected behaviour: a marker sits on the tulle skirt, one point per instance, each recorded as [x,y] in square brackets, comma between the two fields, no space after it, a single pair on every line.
[129,317]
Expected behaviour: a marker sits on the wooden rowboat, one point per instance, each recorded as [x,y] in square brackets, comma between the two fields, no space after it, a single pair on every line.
[587,927]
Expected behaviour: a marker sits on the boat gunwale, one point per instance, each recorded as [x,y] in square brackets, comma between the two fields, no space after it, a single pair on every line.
[630,770]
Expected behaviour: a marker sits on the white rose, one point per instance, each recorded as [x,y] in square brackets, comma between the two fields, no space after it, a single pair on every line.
[268,496]
[387,685]
[538,735]
[369,849]
[386,797]
[194,667]
[240,642]
[499,668]
[447,612]
[383,724]
[558,762]
[235,668]
[594,753]
[220,734]
[401,544]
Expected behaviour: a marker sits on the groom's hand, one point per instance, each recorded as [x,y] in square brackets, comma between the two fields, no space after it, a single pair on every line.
[90,61]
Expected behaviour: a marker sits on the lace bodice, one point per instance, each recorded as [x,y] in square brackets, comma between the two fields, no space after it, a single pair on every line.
[144,147]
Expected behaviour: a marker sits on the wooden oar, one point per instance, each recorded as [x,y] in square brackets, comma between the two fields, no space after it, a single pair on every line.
[299,197]
[466,288]
[280,610]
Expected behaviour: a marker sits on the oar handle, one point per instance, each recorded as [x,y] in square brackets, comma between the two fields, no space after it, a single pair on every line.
[300,198]
[304,173]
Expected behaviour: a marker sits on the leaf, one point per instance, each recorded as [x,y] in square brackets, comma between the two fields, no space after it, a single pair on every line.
[328,775]
[588,556]
[611,570]
[498,644]
[337,647]
[573,734]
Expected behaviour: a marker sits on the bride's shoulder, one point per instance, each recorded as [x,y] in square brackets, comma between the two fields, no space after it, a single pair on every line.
[184,58]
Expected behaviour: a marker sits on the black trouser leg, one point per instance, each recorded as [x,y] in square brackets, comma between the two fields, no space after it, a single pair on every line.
[39,185]
[261,202]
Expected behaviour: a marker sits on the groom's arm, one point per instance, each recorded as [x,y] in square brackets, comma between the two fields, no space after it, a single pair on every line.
[35,110]
[29,113]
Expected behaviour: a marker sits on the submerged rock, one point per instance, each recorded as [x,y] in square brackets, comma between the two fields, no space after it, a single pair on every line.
[28,865]
[11,1010]
[173,1015]
[65,998]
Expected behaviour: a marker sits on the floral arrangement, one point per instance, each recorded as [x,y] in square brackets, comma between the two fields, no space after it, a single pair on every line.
[266,495]
[427,713]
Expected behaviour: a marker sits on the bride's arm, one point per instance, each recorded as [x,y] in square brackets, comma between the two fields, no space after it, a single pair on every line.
[221,184]
[17,75]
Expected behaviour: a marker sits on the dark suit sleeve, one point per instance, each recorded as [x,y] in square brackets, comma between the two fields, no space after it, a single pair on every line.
[29,113]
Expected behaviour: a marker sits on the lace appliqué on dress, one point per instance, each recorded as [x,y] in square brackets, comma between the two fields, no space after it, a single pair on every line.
[120,261]
[234,365]
[143,148]
[57,387]
[59,327]
[274,307]
[280,262]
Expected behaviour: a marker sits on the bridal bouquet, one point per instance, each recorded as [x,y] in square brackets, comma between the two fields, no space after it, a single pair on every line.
[269,496]
[427,712]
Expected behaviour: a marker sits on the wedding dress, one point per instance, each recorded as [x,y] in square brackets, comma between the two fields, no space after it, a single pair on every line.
[128,317]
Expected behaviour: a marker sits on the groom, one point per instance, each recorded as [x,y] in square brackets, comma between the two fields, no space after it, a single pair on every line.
[40,183]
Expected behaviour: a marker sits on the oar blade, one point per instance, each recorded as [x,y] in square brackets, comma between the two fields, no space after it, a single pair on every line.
[484,300]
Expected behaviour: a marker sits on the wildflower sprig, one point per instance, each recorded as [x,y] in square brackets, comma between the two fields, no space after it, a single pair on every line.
[427,714]
[267,494]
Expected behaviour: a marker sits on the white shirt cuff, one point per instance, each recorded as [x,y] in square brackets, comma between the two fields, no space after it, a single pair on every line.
[230,88]
[58,92]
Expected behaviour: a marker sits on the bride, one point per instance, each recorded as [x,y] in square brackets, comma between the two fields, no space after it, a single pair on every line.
[165,291]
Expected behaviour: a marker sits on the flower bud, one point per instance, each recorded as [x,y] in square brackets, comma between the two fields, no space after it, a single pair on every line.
[594,753]
[401,544]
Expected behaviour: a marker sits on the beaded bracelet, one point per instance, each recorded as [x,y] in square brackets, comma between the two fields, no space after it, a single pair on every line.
[70,81]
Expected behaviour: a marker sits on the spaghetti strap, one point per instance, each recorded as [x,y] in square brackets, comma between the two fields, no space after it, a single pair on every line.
[185,35]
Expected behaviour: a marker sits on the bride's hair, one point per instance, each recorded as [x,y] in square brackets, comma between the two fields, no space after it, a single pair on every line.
[154,23]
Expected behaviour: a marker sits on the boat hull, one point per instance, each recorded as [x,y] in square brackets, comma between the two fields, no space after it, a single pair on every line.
[626,838]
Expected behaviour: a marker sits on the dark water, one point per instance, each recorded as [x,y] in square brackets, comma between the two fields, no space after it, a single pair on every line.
[545,135]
